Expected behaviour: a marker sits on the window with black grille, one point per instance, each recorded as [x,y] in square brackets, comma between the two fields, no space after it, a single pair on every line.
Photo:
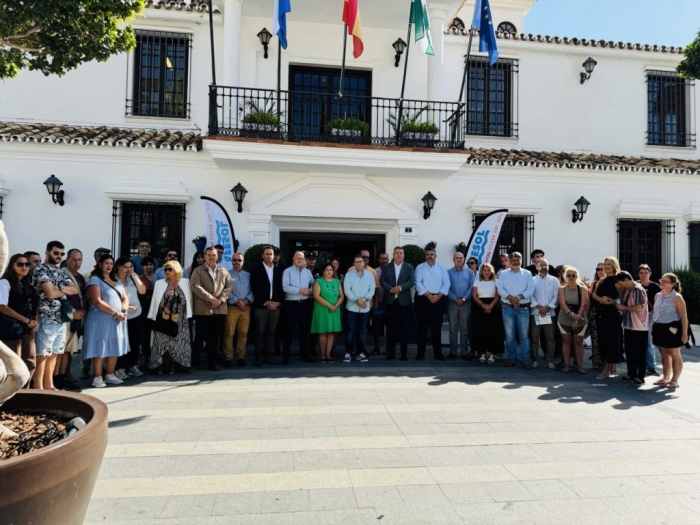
[668,110]
[507,27]
[517,235]
[491,98]
[161,79]
[160,223]
[694,247]
[640,242]
[457,23]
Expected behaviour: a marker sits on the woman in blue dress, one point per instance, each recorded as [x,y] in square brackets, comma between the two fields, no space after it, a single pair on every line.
[106,337]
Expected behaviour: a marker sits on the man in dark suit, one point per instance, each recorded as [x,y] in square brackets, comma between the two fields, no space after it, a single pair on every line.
[397,280]
[266,286]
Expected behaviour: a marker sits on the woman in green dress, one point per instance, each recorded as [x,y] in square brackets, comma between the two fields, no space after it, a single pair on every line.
[328,295]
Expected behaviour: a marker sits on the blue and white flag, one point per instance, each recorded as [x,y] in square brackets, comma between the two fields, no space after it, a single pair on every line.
[484,239]
[219,230]
[279,20]
[487,33]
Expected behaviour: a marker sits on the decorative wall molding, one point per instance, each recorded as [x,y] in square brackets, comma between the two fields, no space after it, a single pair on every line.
[516,204]
[144,191]
[645,209]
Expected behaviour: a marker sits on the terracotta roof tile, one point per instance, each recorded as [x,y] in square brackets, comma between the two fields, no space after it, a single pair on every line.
[545,159]
[546,39]
[100,136]
[198,6]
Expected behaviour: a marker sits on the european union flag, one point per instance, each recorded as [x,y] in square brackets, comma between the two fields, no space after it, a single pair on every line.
[487,33]
[279,20]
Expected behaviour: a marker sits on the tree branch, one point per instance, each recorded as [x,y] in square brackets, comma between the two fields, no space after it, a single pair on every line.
[20,47]
[35,28]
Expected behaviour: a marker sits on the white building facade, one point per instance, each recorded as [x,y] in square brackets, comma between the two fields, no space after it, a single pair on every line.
[136,146]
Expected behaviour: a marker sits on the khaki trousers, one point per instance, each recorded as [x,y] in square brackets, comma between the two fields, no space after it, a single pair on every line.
[237,321]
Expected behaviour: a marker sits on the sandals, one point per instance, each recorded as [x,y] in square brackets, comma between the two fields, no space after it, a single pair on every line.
[660,382]
[482,359]
[673,384]
[491,360]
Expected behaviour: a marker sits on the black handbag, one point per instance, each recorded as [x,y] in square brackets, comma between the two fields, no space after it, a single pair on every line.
[66,310]
[166,321]
[10,329]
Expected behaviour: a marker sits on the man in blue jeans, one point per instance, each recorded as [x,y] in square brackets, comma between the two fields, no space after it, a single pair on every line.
[359,290]
[516,286]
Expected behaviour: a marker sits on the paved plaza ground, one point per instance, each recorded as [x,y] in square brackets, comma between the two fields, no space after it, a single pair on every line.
[415,442]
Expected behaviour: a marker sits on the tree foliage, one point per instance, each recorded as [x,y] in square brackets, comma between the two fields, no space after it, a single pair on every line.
[690,65]
[55,36]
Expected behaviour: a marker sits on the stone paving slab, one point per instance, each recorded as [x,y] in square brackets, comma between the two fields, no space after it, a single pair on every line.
[415,442]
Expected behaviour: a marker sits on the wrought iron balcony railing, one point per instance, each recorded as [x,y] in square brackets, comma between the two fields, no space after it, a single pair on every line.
[294,116]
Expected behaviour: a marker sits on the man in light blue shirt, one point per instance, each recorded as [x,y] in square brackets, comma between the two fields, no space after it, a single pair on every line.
[432,286]
[515,286]
[545,299]
[459,305]
[238,317]
[359,290]
[297,283]
[170,255]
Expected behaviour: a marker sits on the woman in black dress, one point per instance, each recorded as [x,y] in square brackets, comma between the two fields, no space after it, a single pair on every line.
[487,320]
[592,327]
[608,323]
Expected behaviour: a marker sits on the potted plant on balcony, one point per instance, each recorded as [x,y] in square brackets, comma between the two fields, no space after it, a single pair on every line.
[262,119]
[419,134]
[348,128]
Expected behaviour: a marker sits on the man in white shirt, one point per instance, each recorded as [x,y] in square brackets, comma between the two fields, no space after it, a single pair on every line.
[298,284]
[544,300]
[432,286]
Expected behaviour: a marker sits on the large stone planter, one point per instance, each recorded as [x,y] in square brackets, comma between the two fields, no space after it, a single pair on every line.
[53,485]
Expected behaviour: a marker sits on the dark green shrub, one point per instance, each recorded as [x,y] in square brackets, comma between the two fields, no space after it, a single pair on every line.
[420,127]
[690,283]
[253,256]
[348,123]
[413,254]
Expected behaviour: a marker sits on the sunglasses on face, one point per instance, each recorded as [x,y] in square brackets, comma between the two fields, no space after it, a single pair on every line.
[471,263]
[599,269]
[172,255]
[23,264]
[570,275]
[237,260]
[55,254]
[168,270]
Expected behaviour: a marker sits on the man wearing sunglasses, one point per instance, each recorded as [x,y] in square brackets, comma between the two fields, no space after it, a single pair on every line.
[238,317]
[51,283]
[170,255]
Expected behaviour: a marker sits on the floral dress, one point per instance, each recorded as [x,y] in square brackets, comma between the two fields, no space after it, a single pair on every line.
[178,347]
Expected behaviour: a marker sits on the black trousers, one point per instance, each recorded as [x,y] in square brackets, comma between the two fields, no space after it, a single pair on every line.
[398,319]
[297,316]
[266,324]
[636,352]
[430,317]
[210,331]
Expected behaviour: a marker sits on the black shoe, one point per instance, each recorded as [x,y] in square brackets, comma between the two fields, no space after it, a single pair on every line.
[192,370]
[215,368]
[420,357]
[259,362]
[284,362]
[467,357]
[452,356]
[440,357]
[403,358]
[307,359]
[625,378]
[267,362]
[228,363]
[653,372]
[390,357]
[240,363]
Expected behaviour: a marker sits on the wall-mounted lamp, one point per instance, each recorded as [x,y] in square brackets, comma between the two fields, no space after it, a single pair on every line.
[589,65]
[581,209]
[265,36]
[428,204]
[238,192]
[53,185]
[399,47]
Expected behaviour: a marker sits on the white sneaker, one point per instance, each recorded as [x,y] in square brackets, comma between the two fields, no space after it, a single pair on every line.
[347,358]
[112,379]
[551,366]
[535,364]
[134,371]
[482,359]
[98,383]
[362,358]
[121,374]
[492,359]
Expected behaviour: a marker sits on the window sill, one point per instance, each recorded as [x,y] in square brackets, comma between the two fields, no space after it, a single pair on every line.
[669,149]
[158,121]
[490,138]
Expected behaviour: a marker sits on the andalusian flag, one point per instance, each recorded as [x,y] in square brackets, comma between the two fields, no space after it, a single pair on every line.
[421,20]
[351,16]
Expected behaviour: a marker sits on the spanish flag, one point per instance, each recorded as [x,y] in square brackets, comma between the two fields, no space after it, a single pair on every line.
[351,16]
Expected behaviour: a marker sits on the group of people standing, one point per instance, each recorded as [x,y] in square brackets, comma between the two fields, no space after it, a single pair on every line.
[173,315]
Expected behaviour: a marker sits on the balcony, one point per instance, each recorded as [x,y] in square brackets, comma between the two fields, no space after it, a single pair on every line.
[264,129]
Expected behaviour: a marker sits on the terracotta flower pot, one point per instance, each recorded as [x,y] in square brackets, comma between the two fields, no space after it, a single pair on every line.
[53,485]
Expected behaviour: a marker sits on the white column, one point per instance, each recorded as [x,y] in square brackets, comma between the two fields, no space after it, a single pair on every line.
[231,59]
[438,15]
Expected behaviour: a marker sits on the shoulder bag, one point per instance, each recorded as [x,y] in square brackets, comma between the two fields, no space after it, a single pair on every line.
[166,321]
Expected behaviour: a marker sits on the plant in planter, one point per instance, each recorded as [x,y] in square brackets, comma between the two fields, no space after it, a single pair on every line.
[419,130]
[262,115]
[200,242]
[348,127]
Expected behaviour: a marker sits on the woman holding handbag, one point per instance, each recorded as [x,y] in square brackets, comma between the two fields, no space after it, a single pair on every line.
[128,365]
[106,337]
[18,303]
[170,310]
